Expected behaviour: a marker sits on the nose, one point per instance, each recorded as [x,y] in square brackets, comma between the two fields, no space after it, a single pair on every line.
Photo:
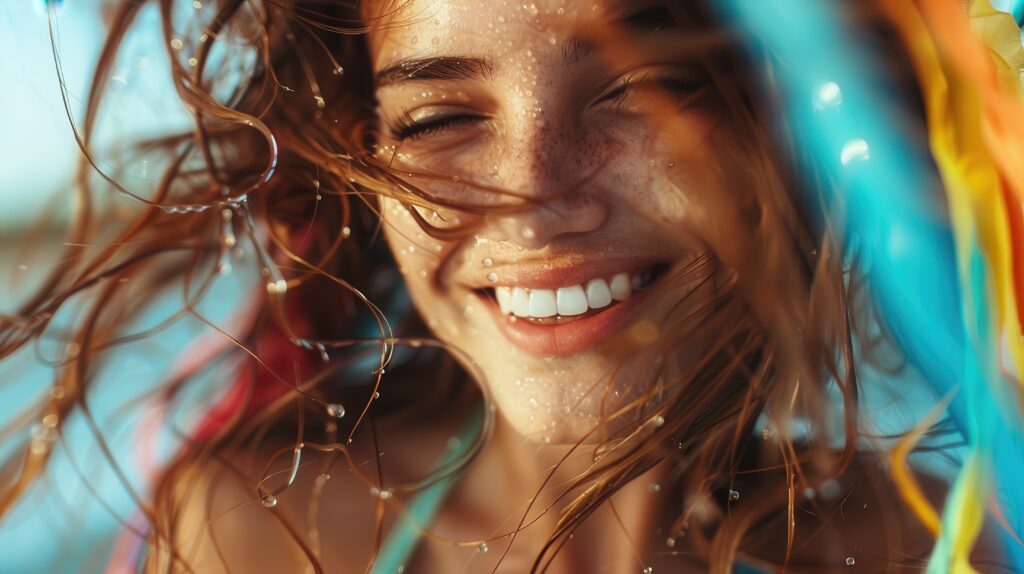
[547,219]
[561,189]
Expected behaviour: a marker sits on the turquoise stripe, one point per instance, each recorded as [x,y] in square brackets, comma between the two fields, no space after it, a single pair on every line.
[402,539]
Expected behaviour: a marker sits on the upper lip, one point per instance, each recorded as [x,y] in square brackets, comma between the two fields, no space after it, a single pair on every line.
[551,273]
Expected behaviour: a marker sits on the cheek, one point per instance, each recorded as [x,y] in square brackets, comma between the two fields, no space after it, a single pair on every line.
[416,254]
[419,258]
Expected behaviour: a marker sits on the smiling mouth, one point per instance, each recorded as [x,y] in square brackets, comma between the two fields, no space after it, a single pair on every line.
[571,303]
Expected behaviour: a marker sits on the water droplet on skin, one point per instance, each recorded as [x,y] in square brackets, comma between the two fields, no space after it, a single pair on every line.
[547,440]
[532,403]
[850,561]
[482,549]
[414,40]
[654,487]
[648,570]
[734,495]
[492,276]
[335,410]
[488,262]
[529,233]
[269,501]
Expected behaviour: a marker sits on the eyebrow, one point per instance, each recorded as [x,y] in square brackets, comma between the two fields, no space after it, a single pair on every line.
[434,68]
[574,50]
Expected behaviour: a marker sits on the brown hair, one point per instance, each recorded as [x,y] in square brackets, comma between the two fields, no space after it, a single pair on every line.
[271,150]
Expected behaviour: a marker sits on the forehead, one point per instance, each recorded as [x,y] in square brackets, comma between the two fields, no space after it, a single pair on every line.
[481,28]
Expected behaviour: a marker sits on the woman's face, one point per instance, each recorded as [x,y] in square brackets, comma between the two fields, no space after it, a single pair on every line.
[601,144]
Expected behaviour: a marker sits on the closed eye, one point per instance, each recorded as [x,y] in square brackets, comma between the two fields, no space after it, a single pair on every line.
[406,128]
[674,84]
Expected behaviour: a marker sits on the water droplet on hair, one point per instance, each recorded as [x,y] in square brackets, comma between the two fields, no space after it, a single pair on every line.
[336,410]
[670,542]
[376,395]
[338,71]
[278,287]
[482,548]
[648,570]
[269,501]
[657,421]
[734,495]
[346,231]
[176,44]
[850,561]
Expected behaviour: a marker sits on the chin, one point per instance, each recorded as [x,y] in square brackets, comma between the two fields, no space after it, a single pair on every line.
[567,406]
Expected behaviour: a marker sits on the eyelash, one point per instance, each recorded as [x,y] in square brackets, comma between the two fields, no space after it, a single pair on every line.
[406,128]
[677,86]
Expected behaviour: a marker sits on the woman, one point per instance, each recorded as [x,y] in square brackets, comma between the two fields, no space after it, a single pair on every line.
[627,309]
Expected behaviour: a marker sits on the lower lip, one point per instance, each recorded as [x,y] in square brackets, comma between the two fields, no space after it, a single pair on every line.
[568,338]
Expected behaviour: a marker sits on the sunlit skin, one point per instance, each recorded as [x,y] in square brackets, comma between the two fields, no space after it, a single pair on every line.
[544,122]
[604,178]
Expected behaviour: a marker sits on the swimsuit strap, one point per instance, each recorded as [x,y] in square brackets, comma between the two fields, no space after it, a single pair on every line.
[404,536]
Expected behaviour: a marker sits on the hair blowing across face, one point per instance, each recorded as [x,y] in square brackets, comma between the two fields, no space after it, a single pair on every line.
[281,162]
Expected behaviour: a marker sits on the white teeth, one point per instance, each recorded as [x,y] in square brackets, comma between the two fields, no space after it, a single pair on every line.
[620,286]
[542,303]
[598,294]
[520,302]
[571,301]
[504,295]
[568,301]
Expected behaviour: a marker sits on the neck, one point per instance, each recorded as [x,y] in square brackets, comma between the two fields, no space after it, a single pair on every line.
[616,533]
